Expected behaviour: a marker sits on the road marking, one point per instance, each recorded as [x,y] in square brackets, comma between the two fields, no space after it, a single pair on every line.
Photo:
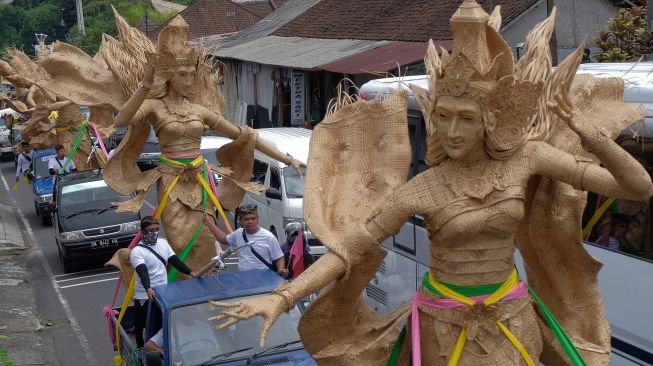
[88,283]
[89,276]
[74,324]
[104,271]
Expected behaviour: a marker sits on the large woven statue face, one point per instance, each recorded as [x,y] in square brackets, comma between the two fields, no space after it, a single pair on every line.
[182,80]
[459,124]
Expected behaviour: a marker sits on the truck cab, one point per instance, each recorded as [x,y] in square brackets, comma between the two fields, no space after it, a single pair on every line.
[42,183]
[190,338]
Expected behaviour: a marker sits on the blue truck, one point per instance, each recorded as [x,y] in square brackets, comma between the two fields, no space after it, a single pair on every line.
[42,183]
[189,338]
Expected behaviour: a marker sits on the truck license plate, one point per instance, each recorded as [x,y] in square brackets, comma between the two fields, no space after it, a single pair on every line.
[104,243]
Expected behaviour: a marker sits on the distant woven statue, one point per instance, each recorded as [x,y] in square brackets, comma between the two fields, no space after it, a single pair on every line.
[169,87]
[512,148]
[52,120]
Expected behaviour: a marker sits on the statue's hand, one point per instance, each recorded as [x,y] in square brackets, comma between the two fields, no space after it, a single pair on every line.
[296,164]
[148,77]
[269,307]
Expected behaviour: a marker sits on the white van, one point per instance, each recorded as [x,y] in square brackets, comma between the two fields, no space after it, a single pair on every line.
[282,202]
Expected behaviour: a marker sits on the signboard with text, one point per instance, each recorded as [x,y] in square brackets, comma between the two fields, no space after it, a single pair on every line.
[297,98]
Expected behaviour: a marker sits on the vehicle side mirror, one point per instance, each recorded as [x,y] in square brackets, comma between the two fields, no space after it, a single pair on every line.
[153,359]
[273,193]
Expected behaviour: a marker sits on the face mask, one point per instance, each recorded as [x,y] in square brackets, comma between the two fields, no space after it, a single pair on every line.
[149,238]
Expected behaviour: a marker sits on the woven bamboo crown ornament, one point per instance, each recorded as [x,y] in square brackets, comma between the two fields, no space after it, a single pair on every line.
[174,48]
[481,67]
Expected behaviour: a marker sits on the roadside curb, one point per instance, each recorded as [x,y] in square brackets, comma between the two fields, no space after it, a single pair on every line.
[24,335]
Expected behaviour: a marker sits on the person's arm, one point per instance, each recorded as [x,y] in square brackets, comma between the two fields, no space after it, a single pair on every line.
[220,235]
[180,266]
[144,276]
[150,346]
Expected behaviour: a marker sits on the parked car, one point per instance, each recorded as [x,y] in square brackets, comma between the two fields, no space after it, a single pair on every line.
[42,183]
[189,338]
[85,221]
[151,153]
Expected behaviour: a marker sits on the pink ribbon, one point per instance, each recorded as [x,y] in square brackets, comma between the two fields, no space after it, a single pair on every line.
[518,292]
[99,138]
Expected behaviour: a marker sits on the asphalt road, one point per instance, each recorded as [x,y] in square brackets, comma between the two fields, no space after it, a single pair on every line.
[73,302]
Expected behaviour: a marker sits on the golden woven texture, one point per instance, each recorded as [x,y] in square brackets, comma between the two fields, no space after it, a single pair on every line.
[508,170]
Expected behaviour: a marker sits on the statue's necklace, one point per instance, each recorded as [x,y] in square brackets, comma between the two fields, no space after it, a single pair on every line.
[181,110]
[474,182]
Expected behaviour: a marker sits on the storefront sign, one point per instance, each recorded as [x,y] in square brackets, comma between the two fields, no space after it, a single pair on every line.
[297,98]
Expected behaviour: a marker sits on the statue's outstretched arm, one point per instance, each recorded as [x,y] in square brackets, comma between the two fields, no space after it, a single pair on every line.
[129,109]
[219,123]
[29,100]
[623,176]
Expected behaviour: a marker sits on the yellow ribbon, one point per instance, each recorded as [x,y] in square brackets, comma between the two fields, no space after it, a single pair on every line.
[597,215]
[53,115]
[117,359]
[214,199]
[499,294]
[76,128]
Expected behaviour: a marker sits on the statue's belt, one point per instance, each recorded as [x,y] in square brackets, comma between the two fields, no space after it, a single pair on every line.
[81,126]
[453,296]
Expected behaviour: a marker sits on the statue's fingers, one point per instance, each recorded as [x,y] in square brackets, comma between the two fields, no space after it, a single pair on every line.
[564,102]
[227,324]
[267,324]
[223,304]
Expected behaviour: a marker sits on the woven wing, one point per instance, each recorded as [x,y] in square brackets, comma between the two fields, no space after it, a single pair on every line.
[558,267]
[357,156]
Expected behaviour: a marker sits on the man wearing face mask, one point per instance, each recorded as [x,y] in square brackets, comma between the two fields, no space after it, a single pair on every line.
[150,258]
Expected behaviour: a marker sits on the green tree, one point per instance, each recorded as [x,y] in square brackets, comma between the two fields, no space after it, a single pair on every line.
[626,38]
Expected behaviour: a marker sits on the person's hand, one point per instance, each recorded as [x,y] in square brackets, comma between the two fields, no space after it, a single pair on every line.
[16,178]
[269,307]
[151,294]
[283,272]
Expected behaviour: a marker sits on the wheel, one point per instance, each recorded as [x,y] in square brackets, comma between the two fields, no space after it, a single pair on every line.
[36,208]
[67,264]
[45,219]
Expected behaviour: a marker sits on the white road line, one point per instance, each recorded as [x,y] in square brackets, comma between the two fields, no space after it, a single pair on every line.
[104,270]
[89,276]
[83,342]
[88,283]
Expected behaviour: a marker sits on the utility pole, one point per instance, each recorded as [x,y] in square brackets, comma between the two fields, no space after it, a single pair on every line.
[80,17]
[553,43]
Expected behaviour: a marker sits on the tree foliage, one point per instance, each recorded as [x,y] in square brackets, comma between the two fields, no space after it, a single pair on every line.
[58,19]
[626,38]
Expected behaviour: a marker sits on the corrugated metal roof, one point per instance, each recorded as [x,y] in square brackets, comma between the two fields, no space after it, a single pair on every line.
[296,52]
[380,59]
[266,26]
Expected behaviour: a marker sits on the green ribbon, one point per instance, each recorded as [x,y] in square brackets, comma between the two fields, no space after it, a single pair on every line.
[396,349]
[571,351]
[172,275]
[78,140]
[467,291]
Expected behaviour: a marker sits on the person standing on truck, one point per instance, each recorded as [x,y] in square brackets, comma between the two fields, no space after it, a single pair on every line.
[59,161]
[150,258]
[265,253]
[24,160]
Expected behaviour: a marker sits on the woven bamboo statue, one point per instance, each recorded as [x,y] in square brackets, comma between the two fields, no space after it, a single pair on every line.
[171,88]
[512,148]
[45,128]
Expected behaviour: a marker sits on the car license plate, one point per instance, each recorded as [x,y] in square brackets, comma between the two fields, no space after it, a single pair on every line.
[104,243]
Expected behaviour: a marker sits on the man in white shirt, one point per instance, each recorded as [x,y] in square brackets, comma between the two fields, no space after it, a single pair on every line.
[24,160]
[59,161]
[150,258]
[264,253]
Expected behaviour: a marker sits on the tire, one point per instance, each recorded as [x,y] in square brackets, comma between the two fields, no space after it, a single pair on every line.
[45,219]
[36,208]
[67,263]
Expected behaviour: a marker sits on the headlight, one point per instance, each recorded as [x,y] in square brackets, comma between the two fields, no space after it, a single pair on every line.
[288,220]
[131,227]
[44,198]
[70,236]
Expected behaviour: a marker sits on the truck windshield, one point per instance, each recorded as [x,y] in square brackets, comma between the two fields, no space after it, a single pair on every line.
[194,339]
[40,166]
[294,183]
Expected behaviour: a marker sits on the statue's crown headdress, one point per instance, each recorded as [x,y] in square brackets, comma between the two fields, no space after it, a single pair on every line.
[174,48]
